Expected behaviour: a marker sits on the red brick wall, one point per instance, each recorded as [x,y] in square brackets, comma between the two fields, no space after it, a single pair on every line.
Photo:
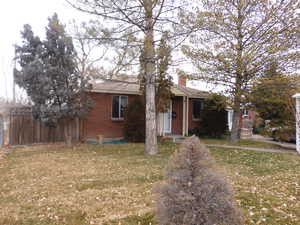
[99,119]
[177,106]
[251,116]
[192,123]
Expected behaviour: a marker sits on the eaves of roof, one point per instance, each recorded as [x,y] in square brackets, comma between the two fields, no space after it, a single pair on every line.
[131,88]
[116,92]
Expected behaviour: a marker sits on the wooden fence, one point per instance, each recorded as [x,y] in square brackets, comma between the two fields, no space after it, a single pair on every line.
[23,129]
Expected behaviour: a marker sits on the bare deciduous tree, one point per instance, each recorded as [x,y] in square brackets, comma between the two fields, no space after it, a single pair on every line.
[99,55]
[235,40]
[143,19]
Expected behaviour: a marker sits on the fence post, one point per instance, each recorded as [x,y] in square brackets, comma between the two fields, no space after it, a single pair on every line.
[297,118]
[77,128]
[38,131]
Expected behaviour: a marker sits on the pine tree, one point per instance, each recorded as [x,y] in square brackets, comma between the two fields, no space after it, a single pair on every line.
[49,76]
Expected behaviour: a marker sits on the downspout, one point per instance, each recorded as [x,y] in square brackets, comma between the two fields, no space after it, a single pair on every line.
[187,116]
[183,116]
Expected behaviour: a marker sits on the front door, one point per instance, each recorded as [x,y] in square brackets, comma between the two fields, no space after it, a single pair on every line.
[168,120]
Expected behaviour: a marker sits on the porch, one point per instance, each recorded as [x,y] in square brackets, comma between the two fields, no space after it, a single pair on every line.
[182,115]
[176,138]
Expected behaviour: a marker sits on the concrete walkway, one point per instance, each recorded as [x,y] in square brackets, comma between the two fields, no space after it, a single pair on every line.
[254,149]
[270,141]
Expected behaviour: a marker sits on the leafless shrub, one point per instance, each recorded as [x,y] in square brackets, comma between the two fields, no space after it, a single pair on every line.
[193,192]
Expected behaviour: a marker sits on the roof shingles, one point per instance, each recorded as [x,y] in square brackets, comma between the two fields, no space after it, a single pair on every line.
[133,88]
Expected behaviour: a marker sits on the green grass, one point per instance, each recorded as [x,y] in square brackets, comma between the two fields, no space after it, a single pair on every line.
[112,184]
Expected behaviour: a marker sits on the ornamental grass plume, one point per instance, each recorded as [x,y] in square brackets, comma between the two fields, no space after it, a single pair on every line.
[193,192]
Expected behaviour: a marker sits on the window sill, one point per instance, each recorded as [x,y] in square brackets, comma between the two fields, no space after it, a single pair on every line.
[193,119]
[117,119]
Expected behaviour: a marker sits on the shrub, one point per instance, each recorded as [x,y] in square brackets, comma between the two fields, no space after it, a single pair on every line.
[259,125]
[213,121]
[285,134]
[193,192]
[134,126]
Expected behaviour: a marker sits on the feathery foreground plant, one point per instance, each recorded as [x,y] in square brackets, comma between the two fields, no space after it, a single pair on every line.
[194,193]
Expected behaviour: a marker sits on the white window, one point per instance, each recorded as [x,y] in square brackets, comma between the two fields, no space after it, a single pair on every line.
[119,104]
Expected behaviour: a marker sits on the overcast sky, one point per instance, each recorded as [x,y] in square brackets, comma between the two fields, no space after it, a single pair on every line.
[13,15]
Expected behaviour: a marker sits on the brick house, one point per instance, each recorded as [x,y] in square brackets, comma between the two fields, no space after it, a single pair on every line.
[111,97]
[247,118]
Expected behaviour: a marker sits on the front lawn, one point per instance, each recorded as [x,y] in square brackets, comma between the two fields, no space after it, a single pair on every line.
[112,184]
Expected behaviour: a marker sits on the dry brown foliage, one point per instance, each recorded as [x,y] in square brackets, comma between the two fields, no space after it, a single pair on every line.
[194,193]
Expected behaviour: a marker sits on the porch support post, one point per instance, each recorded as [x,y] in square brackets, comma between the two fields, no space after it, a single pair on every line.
[229,118]
[159,124]
[297,97]
[187,116]
[183,115]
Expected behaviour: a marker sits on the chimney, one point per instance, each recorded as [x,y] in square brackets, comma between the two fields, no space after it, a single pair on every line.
[182,80]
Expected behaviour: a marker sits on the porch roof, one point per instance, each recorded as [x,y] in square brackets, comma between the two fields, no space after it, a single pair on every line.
[133,88]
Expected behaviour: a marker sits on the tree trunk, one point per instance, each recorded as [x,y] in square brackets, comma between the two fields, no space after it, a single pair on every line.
[235,130]
[151,137]
[149,54]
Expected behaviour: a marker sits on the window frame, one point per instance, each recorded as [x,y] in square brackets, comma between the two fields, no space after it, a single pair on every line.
[201,107]
[120,105]
[245,113]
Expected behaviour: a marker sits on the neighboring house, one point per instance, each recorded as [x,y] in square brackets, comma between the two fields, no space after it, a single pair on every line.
[247,118]
[5,110]
[111,97]
[246,123]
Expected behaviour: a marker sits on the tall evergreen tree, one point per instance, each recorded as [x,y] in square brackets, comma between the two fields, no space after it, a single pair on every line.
[49,76]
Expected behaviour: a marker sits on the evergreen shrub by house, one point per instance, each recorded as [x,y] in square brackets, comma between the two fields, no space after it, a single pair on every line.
[193,192]
[213,121]
[134,126]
